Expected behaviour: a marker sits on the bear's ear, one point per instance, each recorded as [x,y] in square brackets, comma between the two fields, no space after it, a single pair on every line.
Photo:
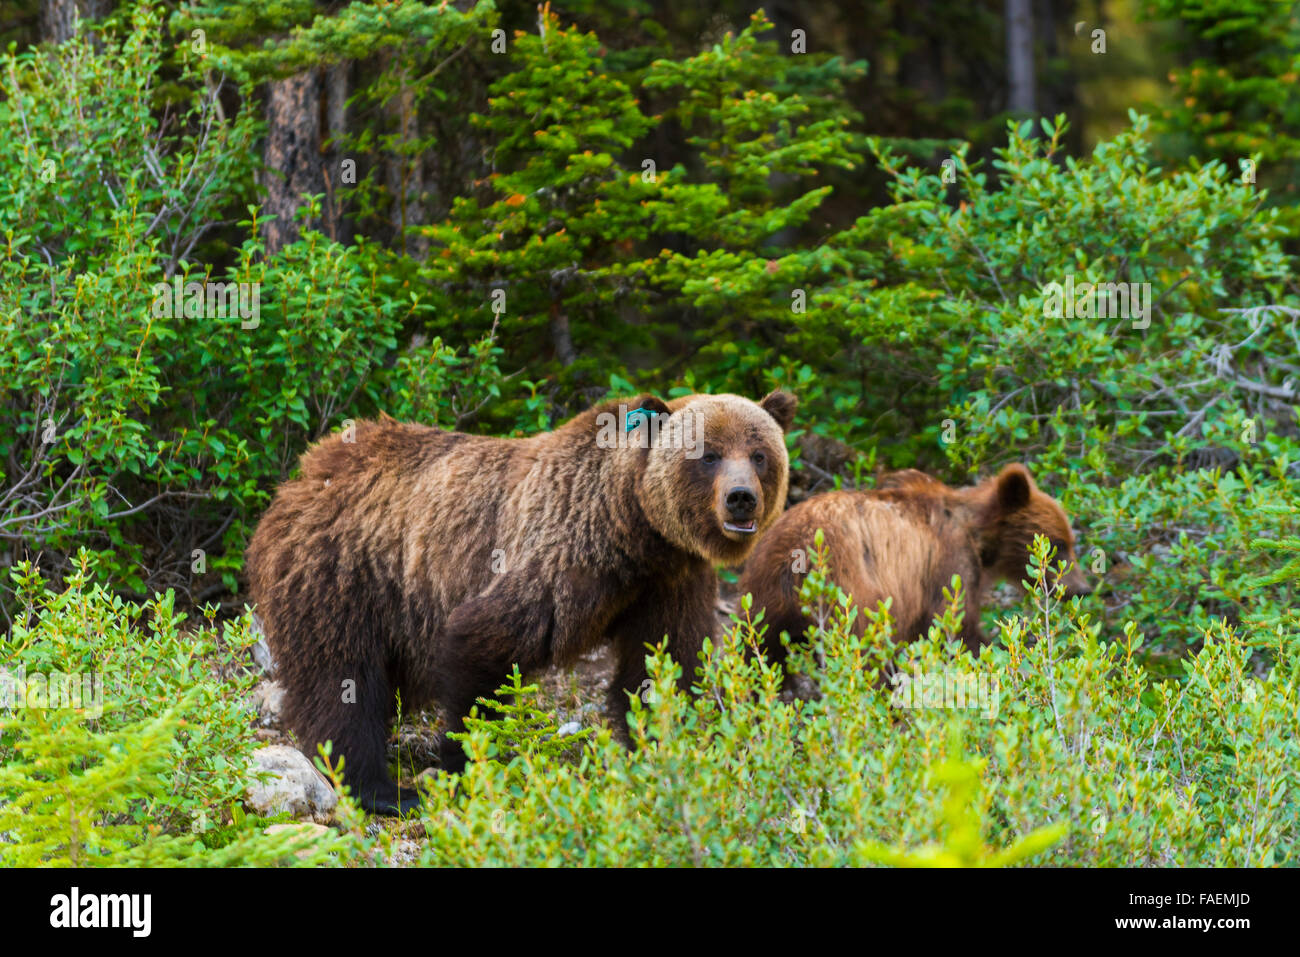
[1014,485]
[780,406]
[650,403]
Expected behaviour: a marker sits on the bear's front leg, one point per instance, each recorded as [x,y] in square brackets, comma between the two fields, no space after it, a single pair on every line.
[523,619]
[482,639]
[683,611]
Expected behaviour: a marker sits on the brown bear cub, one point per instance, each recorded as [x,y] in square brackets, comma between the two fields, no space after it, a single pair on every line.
[409,560]
[905,540]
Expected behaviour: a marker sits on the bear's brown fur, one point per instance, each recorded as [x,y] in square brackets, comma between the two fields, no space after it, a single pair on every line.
[417,561]
[905,540]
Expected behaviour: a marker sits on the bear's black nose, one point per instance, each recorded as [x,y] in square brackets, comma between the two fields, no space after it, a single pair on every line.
[741,503]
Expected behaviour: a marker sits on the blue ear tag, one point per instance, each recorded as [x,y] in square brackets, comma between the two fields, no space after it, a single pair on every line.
[637,416]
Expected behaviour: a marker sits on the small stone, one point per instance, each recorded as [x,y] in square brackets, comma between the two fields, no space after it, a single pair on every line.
[427,778]
[268,698]
[294,786]
[304,829]
[261,650]
[568,728]
[405,852]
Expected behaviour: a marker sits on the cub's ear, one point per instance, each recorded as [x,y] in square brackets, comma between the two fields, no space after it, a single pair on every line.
[780,406]
[1014,486]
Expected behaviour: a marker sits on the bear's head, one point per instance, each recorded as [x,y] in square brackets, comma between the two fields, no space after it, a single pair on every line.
[716,472]
[1014,511]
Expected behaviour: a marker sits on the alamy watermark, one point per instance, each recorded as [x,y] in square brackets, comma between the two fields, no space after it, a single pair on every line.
[644,429]
[947,689]
[1101,300]
[209,300]
[57,690]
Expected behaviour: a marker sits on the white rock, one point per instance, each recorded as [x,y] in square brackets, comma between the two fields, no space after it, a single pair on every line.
[405,852]
[302,829]
[268,698]
[261,650]
[427,778]
[564,730]
[294,785]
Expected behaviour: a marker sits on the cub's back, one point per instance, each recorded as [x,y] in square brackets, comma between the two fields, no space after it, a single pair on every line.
[878,544]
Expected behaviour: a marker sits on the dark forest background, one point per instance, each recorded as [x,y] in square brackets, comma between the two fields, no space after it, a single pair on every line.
[488,216]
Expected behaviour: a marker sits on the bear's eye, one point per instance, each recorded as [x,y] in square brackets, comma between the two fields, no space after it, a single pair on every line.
[712,458]
[758,458]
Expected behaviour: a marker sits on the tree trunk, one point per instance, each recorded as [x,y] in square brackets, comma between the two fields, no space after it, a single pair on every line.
[336,191]
[58,17]
[1058,91]
[1020,56]
[561,337]
[921,66]
[405,170]
[293,164]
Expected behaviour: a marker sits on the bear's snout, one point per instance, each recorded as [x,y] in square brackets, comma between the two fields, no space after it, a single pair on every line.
[1073,583]
[741,503]
[740,510]
[1076,586]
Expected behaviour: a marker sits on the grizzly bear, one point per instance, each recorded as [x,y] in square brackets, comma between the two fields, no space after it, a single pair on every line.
[904,541]
[408,560]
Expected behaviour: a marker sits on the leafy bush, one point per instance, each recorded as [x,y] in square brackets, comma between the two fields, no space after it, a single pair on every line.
[146,770]
[1085,760]
[1167,540]
[151,428]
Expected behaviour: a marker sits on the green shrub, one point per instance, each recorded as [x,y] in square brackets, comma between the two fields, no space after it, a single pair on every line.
[1168,539]
[151,769]
[145,430]
[1085,761]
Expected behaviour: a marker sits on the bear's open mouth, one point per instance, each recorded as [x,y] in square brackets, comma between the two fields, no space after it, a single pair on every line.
[744,528]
